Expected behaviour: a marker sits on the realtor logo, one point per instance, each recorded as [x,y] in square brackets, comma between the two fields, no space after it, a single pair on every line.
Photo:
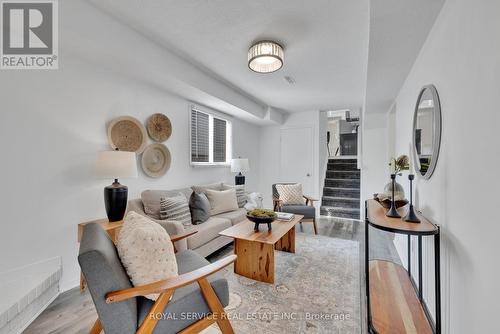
[29,36]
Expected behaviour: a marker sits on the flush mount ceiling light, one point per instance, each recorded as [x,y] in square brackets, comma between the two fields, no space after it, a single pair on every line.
[265,57]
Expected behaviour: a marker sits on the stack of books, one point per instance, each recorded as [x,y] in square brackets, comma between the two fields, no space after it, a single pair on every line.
[285,216]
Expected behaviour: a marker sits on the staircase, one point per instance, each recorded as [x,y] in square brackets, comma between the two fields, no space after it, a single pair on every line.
[341,190]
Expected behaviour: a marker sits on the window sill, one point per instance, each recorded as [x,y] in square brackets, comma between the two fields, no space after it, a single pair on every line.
[210,164]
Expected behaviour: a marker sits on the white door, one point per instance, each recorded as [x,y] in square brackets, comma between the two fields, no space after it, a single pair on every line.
[296,157]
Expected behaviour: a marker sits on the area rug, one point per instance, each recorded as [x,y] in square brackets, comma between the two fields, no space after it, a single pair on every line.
[316,290]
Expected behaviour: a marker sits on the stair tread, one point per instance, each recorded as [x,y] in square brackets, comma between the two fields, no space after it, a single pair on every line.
[339,208]
[338,188]
[339,198]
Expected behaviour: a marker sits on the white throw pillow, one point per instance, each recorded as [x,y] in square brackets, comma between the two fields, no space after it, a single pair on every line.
[290,194]
[146,251]
[222,201]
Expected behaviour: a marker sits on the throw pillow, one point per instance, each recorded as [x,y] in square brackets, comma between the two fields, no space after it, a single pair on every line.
[151,201]
[222,201]
[200,208]
[146,251]
[241,196]
[203,188]
[290,194]
[175,208]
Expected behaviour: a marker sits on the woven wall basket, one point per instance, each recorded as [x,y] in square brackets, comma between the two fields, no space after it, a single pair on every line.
[159,127]
[156,160]
[127,134]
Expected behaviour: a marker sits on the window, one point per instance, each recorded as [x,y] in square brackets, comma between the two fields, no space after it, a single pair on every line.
[210,138]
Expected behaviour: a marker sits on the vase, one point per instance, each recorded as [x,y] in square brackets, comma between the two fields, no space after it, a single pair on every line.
[399,192]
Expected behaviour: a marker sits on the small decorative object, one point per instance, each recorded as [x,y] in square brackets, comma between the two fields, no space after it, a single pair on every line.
[238,166]
[261,216]
[115,165]
[156,160]
[411,215]
[397,165]
[254,201]
[393,213]
[127,134]
[159,127]
[265,57]
[385,200]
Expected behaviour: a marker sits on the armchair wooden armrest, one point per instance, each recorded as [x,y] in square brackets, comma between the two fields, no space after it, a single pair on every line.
[310,200]
[178,237]
[166,289]
[170,284]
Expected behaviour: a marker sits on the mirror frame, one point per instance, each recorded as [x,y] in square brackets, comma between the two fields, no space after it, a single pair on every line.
[437,131]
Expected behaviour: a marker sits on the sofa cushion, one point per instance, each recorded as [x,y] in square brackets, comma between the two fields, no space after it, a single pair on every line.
[241,196]
[151,199]
[200,208]
[207,231]
[176,208]
[204,187]
[221,201]
[290,194]
[188,300]
[145,251]
[236,216]
[306,210]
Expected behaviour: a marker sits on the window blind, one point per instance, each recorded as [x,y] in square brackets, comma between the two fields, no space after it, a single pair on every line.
[219,140]
[199,136]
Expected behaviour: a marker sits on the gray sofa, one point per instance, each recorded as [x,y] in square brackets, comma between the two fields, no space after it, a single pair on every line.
[207,240]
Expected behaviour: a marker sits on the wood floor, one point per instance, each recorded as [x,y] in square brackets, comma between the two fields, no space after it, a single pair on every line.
[73,312]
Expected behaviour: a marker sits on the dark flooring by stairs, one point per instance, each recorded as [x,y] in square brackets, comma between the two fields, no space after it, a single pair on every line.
[342,189]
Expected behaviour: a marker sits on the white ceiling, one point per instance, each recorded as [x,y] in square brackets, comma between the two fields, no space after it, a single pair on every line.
[325,41]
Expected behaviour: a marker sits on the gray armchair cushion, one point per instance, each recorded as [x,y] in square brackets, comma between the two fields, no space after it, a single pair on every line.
[305,210]
[104,273]
[187,300]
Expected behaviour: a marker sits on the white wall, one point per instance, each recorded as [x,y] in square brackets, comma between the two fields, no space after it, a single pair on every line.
[461,58]
[52,123]
[270,152]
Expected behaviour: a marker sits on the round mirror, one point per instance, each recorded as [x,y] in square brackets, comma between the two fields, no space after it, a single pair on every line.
[426,131]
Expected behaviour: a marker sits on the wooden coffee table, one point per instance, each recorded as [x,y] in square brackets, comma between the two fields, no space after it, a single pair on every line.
[255,250]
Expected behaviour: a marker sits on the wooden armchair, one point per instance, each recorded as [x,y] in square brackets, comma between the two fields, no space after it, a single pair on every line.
[122,308]
[307,209]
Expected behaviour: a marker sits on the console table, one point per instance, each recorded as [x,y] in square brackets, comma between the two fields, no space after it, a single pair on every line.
[395,303]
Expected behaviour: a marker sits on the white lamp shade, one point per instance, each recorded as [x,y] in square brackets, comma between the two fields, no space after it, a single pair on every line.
[116,164]
[239,165]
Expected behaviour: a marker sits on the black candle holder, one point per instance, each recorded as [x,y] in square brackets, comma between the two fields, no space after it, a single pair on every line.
[411,216]
[393,212]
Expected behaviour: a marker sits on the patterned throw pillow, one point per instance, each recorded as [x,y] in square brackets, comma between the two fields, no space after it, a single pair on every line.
[290,194]
[241,196]
[175,208]
[146,251]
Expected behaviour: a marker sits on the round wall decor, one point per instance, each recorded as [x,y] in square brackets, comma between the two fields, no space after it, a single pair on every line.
[156,160]
[127,134]
[159,127]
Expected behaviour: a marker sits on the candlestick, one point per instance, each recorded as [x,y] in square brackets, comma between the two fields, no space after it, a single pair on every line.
[411,216]
[393,212]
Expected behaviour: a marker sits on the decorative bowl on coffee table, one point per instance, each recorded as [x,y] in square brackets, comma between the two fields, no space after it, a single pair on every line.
[260,216]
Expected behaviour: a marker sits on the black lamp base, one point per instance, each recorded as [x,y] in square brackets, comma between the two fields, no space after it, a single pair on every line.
[239,179]
[411,216]
[115,200]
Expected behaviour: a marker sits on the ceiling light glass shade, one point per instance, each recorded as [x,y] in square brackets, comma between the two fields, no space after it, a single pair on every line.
[265,57]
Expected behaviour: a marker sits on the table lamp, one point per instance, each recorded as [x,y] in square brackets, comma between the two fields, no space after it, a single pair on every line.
[238,166]
[115,165]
